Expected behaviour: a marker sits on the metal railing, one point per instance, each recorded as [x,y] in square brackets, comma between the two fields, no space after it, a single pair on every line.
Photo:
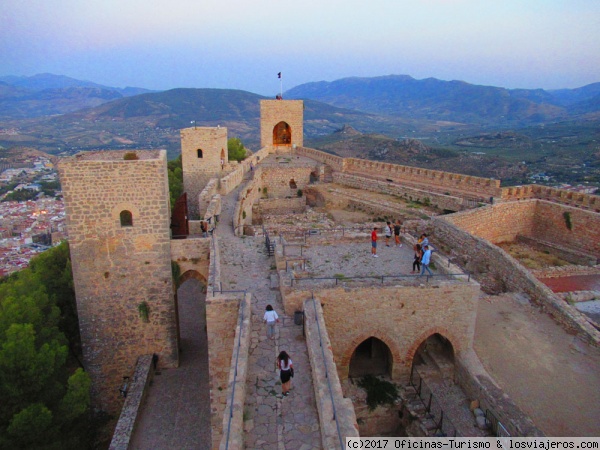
[443,425]
[381,278]
[337,424]
[496,427]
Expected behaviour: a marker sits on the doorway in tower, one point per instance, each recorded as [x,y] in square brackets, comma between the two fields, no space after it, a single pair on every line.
[282,134]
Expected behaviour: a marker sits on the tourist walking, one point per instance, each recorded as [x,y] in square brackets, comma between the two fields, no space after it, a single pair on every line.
[424,240]
[397,227]
[417,259]
[270,318]
[286,372]
[374,242]
[425,260]
[388,233]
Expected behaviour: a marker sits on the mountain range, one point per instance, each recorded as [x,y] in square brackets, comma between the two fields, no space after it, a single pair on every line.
[47,94]
[555,131]
[453,101]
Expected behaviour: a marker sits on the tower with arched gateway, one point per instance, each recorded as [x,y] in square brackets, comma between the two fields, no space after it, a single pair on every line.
[281,123]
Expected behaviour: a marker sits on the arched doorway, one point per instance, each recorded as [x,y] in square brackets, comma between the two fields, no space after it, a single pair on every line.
[282,134]
[371,357]
[435,353]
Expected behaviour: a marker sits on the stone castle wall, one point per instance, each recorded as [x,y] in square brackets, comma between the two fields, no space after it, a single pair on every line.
[192,255]
[584,201]
[440,201]
[354,315]
[274,111]
[277,180]
[222,317]
[198,168]
[486,257]
[232,430]
[117,268]
[335,162]
[335,411]
[537,219]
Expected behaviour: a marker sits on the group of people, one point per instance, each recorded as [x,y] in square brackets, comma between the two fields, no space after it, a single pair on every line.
[389,229]
[422,257]
[284,362]
[422,249]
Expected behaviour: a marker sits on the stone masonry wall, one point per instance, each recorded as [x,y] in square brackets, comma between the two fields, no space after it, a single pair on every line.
[282,205]
[118,271]
[233,415]
[334,410]
[335,162]
[402,317]
[134,402]
[425,178]
[428,180]
[192,255]
[550,225]
[274,111]
[197,171]
[277,180]
[538,219]
[440,201]
[584,201]
[206,195]
[491,259]
[222,315]
[498,223]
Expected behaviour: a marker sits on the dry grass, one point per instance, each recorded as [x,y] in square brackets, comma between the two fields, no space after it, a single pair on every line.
[532,258]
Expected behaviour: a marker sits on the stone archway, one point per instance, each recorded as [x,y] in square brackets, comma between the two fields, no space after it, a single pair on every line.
[371,357]
[282,134]
[435,353]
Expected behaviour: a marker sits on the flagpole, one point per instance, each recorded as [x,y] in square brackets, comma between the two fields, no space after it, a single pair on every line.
[281,86]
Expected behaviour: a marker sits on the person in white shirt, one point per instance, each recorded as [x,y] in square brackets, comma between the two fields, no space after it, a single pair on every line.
[270,318]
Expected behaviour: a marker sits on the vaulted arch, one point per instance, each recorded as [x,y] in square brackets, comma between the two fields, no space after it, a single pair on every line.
[282,134]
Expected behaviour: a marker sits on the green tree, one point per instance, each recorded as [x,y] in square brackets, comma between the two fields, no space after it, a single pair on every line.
[44,403]
[175,172]
[53,268]
[235,149]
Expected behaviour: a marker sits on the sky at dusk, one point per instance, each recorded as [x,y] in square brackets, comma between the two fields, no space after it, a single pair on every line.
[243,44]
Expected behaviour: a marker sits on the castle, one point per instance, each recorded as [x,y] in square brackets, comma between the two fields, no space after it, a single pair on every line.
[128,261]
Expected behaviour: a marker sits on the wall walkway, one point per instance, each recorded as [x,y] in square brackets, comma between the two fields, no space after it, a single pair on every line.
[271,421]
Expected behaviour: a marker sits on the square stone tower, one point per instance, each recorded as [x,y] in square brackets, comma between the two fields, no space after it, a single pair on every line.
[117,211]
[203,156]
[281,123]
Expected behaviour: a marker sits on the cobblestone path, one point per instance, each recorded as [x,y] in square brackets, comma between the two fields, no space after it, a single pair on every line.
[271,421]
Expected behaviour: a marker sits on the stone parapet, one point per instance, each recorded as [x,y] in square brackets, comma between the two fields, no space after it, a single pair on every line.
[233,414]
[206,195]
[214,209]
[336,413]
[134,402]
[440,201]
[585,201]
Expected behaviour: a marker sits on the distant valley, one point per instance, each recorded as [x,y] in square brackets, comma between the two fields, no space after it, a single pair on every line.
[454,126]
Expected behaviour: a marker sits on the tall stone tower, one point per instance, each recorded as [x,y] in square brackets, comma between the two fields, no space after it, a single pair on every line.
[117,206]
[203,156]
[281,123]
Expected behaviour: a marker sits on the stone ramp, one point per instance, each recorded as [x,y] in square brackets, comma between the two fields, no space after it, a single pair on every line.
[270,420]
